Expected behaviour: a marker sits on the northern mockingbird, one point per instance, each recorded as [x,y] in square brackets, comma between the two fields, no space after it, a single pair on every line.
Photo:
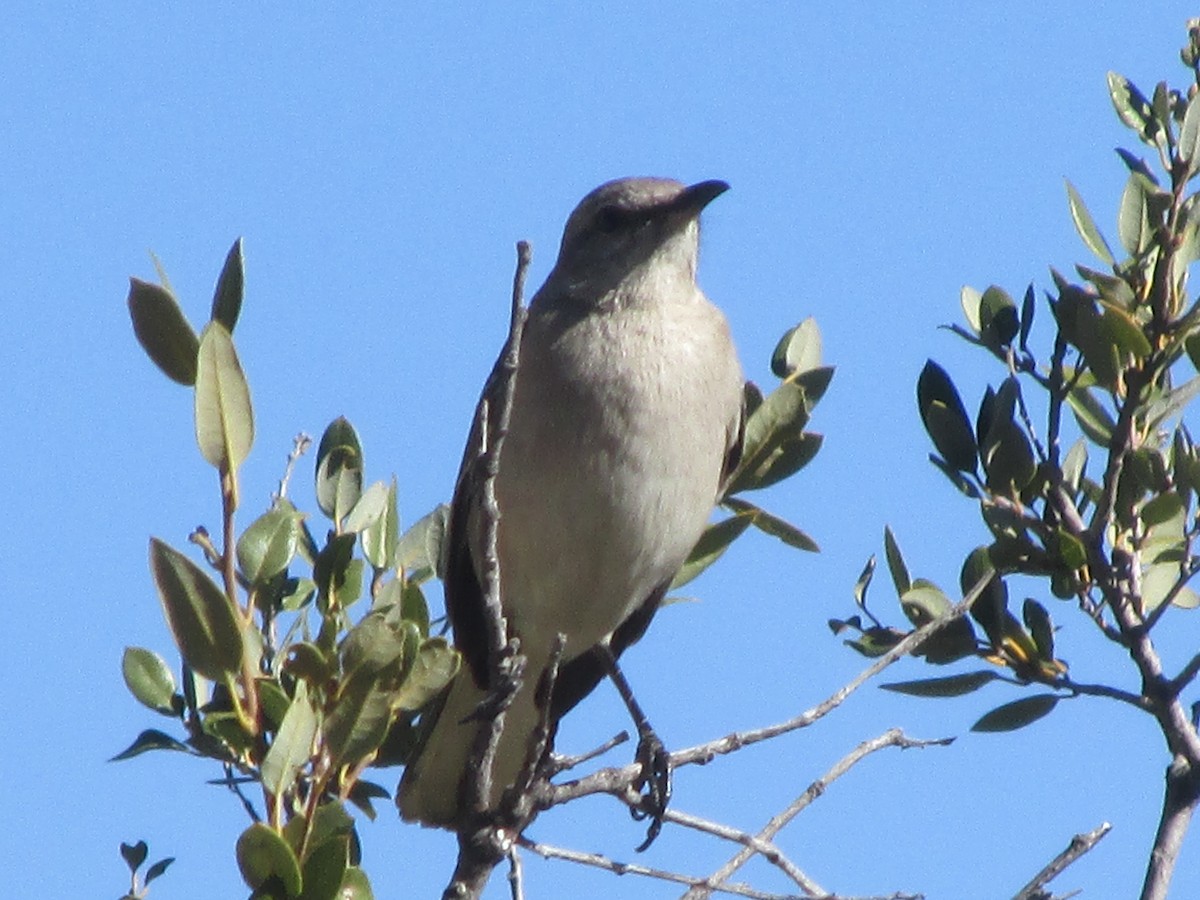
[626,419]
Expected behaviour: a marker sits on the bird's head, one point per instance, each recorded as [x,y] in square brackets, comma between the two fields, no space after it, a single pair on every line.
[632,228]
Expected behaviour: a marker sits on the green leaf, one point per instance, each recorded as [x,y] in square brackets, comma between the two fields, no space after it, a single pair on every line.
[1133,219]
[1027,310]
[1124,331]
[436,664]
[950,644]
[325,868]
[712,544]
[1094,420]
[379,538]
[860,587]
[150,681]
[895,562]
[293,744]
[163,331]
[134,854]
[227,298]
[201,617]
[359,720]
[339,469]
[784,460]
[157,870]
[1086,226]
[150,739]
[372,646]
[998,320]
[1161,509]
[923,602]
[773,525]
[355,885]
[970,300]
[945,418]
[799,350]
[780,417]
[224,418]
[419,549]
[876,641]
[1041,629]
[1189,134]
[266,548]
[263,855]
[1008,458]
[1074,466]
[950,686]
[1017,714]
[1132,107]
[1069,549]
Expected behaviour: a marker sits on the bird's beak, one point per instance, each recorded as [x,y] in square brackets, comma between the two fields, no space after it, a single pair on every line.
[693,199]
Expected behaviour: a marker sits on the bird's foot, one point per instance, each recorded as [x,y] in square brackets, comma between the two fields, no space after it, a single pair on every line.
[653,784]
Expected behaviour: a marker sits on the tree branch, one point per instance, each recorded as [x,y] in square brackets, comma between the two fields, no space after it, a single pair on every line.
[1080,844]
[617,781]
[759,843]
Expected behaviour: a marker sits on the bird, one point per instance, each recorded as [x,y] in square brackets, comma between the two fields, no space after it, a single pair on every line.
[626,421]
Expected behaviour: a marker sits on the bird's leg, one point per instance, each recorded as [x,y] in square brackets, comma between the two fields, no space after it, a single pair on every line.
[655,777]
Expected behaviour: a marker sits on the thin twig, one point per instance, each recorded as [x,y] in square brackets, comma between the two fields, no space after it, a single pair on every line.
[516,875]
[596,860]
[751,845]
[1080,844]
[300,445]
[566,763]
[482,840]
[617,780]
[892,738]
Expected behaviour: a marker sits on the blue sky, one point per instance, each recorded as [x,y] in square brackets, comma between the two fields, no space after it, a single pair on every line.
[380,165]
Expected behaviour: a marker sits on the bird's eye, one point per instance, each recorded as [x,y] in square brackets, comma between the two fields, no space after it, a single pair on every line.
[609,219]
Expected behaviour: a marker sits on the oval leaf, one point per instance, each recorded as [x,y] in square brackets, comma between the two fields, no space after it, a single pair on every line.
[1086,226]
[150,681]
[266,548]
[798,350]
[263,855]
[227,298]
[163,331]
[292,745]
[713,542]
[951,686]
[945,418]
[224,418]
[200,616]
[339,469]
[1017,714]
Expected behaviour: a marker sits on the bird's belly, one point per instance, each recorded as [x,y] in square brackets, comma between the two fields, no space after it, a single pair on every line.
[587,538]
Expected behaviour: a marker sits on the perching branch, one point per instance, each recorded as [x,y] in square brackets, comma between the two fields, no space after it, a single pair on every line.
[617,781]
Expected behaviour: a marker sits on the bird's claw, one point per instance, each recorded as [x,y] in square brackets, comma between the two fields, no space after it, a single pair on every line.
[653,784]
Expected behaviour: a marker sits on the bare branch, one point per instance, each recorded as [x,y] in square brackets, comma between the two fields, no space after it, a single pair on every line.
[752,844]
[892,738]
[1080,844]
[516,874]
[596,860]
[616,781]
[1179,804]
[482,840]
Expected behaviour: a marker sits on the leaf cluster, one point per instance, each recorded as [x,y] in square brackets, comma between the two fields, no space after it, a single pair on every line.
[775,447]
[303,661]
[1105,516]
